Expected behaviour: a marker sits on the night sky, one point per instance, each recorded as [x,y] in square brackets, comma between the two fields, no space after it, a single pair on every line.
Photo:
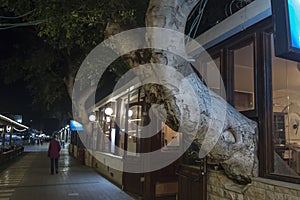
[14,98]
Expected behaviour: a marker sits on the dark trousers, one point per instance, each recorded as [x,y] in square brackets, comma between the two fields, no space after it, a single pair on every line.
[54,164]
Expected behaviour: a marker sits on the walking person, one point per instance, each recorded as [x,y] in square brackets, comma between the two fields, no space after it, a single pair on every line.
[53,153]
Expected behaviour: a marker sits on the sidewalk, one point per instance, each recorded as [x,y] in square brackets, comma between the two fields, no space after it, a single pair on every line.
[29,178]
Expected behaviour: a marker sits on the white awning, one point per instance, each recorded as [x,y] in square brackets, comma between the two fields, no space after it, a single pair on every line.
[7,121]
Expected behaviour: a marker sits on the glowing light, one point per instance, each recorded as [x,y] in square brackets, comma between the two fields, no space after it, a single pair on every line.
[108,111]
[92,117]
[130,113]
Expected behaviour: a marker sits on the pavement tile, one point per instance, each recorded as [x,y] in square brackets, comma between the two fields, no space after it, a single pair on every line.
[29,178]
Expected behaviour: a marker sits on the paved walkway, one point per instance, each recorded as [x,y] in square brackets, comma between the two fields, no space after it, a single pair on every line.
[29,178]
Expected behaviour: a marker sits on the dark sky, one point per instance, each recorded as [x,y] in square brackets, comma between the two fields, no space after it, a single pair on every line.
[14,97]
[16,100]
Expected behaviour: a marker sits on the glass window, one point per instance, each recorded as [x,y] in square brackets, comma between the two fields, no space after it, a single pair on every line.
[121,123]
[134,122]
[107,123]
[122,126]
[107,129]
[213,77]
[170,139]
[134,130]
[286,116]
[100,143]
[243,78]
[210,71]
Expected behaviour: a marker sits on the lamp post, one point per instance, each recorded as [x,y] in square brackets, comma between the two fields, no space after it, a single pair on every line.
[3,137]
[93,118]
[9,130]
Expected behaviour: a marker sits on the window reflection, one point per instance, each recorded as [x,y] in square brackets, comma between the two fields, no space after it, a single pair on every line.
[210,71]
[170,139]
[134,130]
[286,115]
[212,75]
[122,127]
[244,78]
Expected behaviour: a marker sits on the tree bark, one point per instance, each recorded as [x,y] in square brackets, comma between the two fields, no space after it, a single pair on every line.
[236,147]
[219,129]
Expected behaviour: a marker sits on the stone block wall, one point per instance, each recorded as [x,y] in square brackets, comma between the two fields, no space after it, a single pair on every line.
[88,158]
[219,187]
[101,163]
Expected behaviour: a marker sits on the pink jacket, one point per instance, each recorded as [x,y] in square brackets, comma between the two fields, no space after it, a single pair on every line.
[54,149]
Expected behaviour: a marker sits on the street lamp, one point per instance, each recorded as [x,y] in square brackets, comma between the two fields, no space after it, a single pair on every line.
[92,117]
[108,111]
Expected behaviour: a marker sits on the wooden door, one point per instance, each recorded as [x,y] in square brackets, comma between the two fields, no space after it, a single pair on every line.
[192,182]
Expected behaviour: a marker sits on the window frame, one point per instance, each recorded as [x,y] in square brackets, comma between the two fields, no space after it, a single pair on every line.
[262,112]
[267,166]
[238,44]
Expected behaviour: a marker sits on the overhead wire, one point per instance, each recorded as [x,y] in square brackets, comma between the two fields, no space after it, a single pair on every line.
[237,3]
[197,20]
[15,25]
[198,24]
[194,10]
[17,17]
[5,26]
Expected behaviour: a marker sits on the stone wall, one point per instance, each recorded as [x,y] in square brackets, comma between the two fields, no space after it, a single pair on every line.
[88,158]
[219,187]
[103,161]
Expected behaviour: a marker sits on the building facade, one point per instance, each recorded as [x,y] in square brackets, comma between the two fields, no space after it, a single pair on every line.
[260,85]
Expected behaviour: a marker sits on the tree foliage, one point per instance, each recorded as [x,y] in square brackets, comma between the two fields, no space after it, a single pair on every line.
[50,39]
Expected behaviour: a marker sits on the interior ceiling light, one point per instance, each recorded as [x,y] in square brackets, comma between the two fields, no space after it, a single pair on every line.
[108,111]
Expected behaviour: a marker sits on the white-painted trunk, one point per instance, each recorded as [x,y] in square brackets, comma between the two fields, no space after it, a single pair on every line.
[216,127]
[236,147]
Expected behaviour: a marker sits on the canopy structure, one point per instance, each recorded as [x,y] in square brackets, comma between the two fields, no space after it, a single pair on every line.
[15,125]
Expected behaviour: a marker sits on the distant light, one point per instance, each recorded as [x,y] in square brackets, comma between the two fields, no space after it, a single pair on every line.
[8,128]
[92,117]
[18,118]
[130,113]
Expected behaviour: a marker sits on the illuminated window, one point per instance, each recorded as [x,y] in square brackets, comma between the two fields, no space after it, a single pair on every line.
[286,116]
[170,139]
[243,78]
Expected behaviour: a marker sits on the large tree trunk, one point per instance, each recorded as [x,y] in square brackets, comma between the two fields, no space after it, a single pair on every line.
[215,126]
[236,147]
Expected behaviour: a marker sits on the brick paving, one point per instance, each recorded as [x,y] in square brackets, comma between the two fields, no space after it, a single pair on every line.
[29,178]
